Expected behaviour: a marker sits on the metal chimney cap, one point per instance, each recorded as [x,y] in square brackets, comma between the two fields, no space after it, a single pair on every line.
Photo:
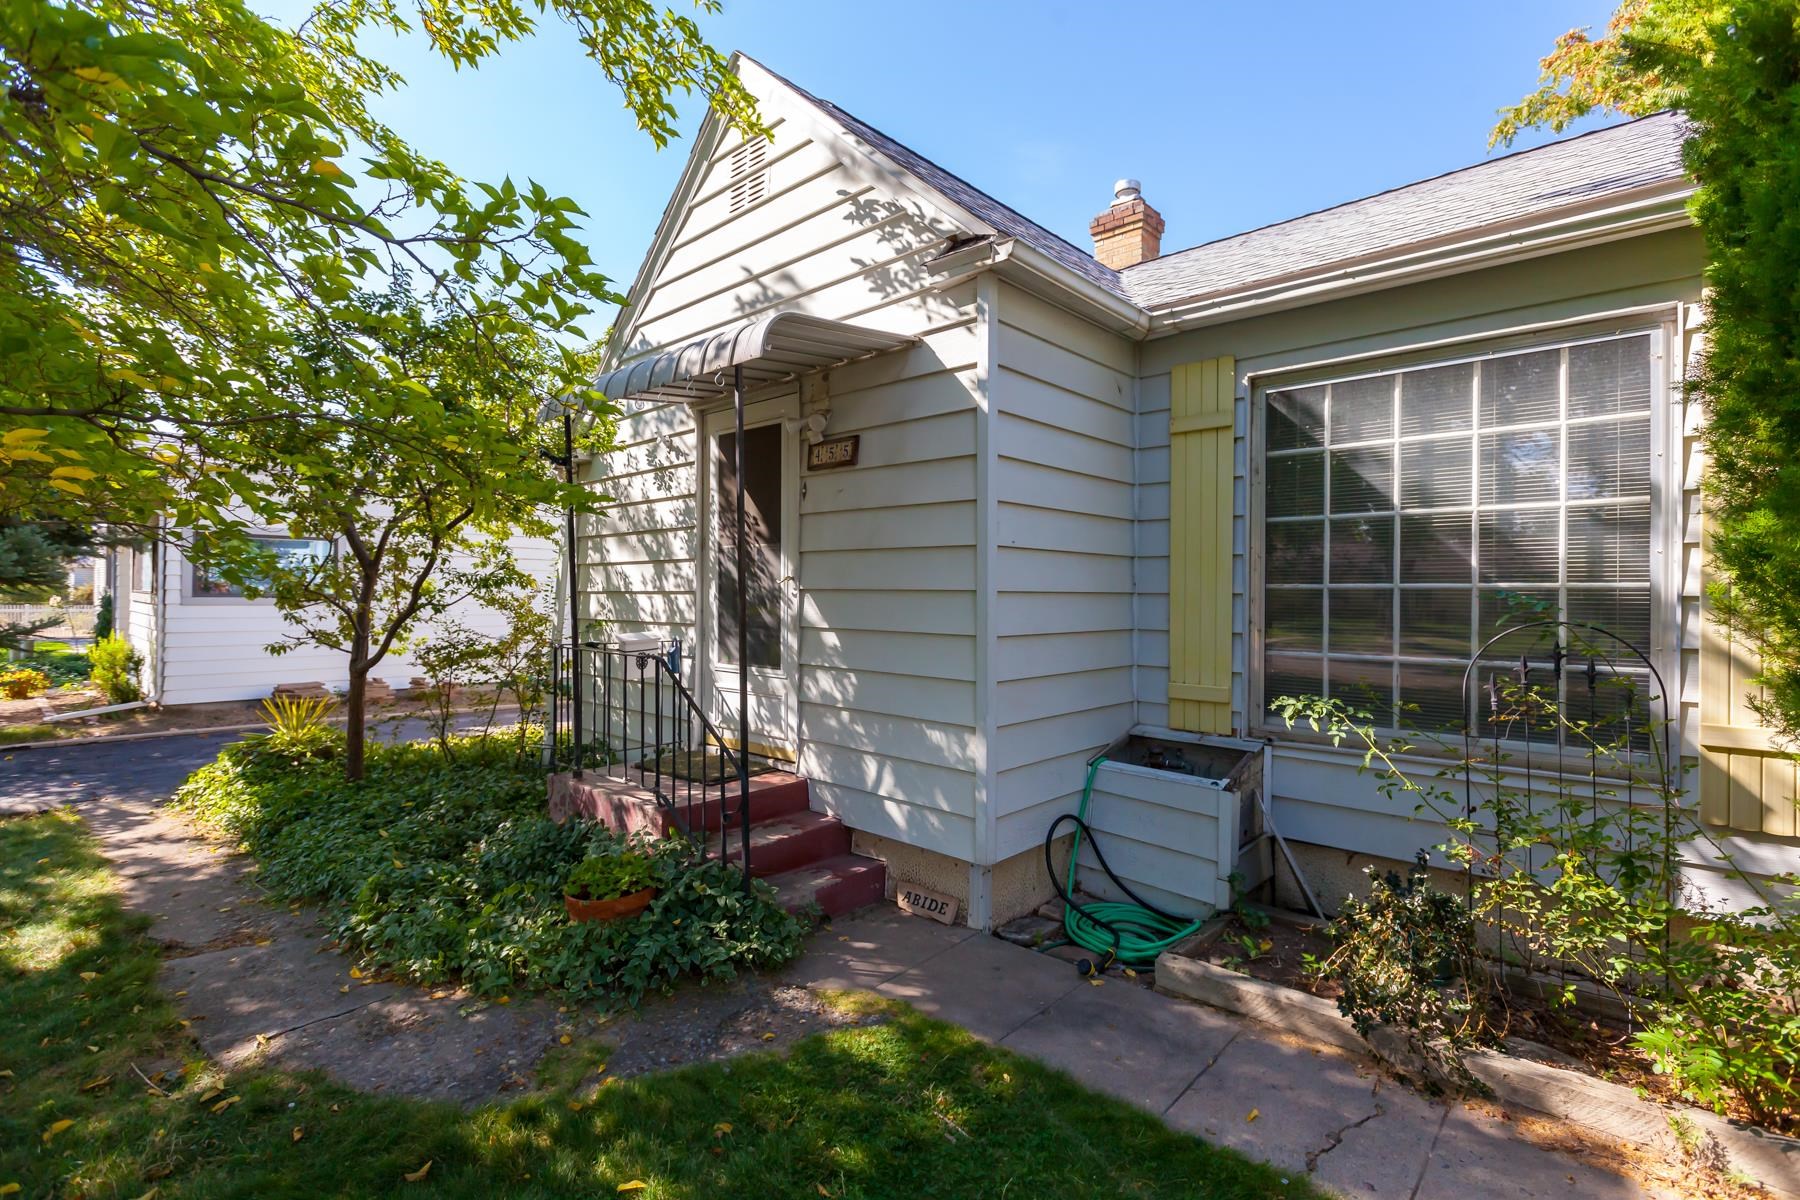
[1127,190]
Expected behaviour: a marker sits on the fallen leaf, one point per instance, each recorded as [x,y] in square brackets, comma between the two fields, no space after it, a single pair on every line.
[6,1074]
[722,1128]
[821,1189]
[356,972]
[1129,973]
[299,1132]
[90,976]
[1254,1113]
[504,1000]
[150,1195]
[56,1127]
[418,1176]
[92,1049]
[565,1039]
[209,1093]
[398,865]
[1097,983]
[636,1185]
[10,1189]
[576,1106]
[600,1070]
[179,995]
[264,941]
[226,1103]
[345,988]
[97,1082]
[769,1037]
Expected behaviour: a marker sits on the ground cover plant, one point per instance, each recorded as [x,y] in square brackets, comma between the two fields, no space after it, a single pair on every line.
[441,867]
[908,1108]
[63,665]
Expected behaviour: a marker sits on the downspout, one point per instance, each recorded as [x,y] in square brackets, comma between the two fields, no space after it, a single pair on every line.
[743,626]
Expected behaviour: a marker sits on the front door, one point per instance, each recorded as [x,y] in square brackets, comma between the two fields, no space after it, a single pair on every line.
[771,519]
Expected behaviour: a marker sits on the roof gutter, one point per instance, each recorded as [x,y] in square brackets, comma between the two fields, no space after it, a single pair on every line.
[1015,261]
[1663,209]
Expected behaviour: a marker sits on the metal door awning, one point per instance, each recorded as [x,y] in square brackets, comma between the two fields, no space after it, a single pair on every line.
[768,350]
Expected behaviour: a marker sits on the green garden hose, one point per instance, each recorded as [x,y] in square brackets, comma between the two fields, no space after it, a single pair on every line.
[1131,934]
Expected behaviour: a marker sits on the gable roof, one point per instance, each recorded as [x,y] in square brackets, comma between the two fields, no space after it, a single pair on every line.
[1578,171]
[1007,222]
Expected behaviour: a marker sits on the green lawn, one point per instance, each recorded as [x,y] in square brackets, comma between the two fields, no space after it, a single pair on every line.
[909,1109]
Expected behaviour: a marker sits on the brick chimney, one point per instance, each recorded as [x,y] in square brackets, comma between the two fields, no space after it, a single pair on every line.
[1130,232]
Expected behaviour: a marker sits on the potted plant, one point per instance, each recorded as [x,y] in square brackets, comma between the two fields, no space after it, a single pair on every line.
[605,887]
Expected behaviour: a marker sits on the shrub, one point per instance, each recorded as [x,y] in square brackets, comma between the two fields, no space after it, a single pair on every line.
[1405,957]
[103,617]
[20,683]
[440,868]
[300,727]
[81,594]
[115,669]
[1565,880]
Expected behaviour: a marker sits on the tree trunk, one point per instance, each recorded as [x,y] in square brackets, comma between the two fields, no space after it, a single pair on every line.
[356,702]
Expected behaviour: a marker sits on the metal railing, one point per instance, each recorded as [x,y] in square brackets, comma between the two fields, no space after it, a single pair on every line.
[622,712]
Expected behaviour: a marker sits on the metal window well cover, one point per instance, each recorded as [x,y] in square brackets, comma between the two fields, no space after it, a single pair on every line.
[769,349]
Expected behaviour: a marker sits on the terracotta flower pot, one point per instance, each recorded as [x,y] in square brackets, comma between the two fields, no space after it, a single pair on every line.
[609,910]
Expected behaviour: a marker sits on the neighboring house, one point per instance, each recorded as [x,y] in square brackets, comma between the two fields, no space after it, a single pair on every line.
[202,640]
[1059,450]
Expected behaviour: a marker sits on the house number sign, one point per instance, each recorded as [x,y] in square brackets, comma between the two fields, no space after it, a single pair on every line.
[833,452]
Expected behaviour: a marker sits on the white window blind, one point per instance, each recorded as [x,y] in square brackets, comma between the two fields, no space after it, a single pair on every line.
[1411,515]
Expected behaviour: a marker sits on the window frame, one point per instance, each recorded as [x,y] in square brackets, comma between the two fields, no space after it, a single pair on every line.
[190,593]
[1666,499]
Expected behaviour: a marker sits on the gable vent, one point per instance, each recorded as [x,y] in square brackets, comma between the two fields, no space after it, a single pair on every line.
[749,177]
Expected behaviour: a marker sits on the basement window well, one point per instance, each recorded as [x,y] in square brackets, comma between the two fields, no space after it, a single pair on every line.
[1176,815]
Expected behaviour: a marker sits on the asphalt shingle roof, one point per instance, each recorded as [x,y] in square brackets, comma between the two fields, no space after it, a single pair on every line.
[1578,170]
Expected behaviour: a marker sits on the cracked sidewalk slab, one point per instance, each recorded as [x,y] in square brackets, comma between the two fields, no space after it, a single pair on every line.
[1291,1104]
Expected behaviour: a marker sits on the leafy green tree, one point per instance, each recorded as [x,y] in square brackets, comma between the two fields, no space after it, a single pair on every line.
[1584,74]
[185,185]
[34,566]
[418,500]
[1733,66]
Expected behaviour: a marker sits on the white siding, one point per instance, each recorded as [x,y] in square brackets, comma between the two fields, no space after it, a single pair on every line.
[886,550]
[1172,839]
[217,649]
[1062,659]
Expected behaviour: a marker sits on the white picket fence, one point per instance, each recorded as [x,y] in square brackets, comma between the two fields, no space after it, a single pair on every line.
[71,620]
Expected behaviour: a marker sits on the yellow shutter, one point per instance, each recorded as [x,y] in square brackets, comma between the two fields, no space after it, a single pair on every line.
[1201,416]
[1746,782]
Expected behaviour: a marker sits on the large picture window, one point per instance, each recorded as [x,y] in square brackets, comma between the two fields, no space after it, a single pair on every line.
[1411,515]
[289,552]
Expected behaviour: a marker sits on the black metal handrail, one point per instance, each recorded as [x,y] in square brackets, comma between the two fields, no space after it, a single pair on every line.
[622,712]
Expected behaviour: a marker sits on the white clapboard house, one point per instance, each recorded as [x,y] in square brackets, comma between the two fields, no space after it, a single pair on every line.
[202,640]
[1011,500]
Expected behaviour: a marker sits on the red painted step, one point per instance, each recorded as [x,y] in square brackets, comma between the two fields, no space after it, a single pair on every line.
[784,843]
[838,885]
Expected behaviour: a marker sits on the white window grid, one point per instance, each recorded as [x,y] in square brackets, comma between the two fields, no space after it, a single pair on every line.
[1477,435]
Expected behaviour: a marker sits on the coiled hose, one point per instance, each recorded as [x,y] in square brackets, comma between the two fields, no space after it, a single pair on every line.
[1131,934]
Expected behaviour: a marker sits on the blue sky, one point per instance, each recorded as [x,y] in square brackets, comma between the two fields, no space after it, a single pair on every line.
[1233,114]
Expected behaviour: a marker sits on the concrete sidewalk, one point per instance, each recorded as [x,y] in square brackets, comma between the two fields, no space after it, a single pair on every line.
[1233,1082]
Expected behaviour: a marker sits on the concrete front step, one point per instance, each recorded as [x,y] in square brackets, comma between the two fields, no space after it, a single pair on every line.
[784,843]
[625,806]
[841,884]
